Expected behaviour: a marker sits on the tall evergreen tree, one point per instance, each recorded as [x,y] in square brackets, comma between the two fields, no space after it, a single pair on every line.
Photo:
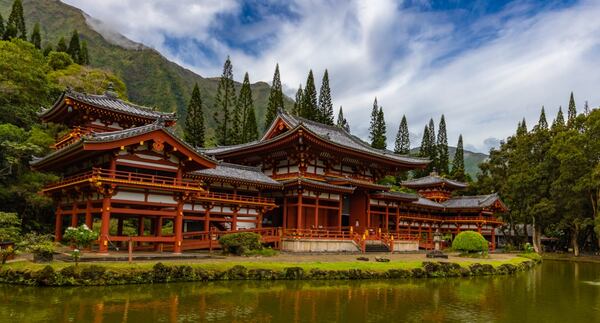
[381,142]
[62,45]
[572,111]
[443,159]
[16,21]
[586,108]
[251,127]
[341,121]
[402,145]
[47,49]
[194,121]
[224,103]
[74,47]
[424,149]
[373,125]
[36,37]
[542,123]
[84,57]
[559,121]
[433,153]
[275,99]
[458,163]
[522,128]
[244,107]
[1,26]
[298,102]
[310,108]
[325,104]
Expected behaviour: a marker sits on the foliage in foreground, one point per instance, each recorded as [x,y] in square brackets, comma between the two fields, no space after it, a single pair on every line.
[240,243]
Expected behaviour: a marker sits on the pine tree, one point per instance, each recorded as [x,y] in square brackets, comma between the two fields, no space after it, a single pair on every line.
[224,103]
[373,125]
[74,47]
[298,102]
[194,122]
[36,37]
[586,108]
[559,122]
[310,108]
[16,21]
[458,164]
[342,122]
[433,153]
[542,123]
[522,128]
[47,49]
[325,104]
[572,111]
[251,127]
[443,159]
[402,138]
[275,99]
[381,141]
[62,45]
[1,26]
[84,57]
[424,149]
[244,106]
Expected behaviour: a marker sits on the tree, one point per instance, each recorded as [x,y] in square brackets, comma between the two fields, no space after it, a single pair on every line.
[242,130]
[59,60]
[275,99]
[442,148]
[325,104]
[377,128]
[36,37]
[47,49]
[224,102]
[572,111]
[432,154]
[559,121]
[84,57]
[542,123]
[16,21]
[341,121]
[1,27]
[309,108]
[74,48]
[251,126]
[402,145]
[458,163]
[586,108]
[381,131]
[194,121]
[61,46]
[298,102]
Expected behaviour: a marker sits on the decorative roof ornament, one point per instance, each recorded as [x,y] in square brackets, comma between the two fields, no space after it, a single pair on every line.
[110,91]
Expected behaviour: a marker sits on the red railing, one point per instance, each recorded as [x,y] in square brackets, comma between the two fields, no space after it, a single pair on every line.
[211,196]
[317,234]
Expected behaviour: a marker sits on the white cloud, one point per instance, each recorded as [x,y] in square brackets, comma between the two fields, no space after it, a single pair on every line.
[374,48]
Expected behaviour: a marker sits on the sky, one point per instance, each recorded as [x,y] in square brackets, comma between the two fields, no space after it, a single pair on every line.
[485,65]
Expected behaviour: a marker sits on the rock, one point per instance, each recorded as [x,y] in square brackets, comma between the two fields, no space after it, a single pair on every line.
[261,274]
[436,254]
[362,259]
[418,273]
[382,259]
[237,272]
[294,273]
[478,269]
[399,273]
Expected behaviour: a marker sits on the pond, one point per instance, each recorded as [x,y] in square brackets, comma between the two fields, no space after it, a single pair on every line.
[553,292]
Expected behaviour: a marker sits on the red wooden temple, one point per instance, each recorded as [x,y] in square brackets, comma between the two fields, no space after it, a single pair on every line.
[303,186]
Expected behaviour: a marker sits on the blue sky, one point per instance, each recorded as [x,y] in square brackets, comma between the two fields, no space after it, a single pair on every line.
[484,64]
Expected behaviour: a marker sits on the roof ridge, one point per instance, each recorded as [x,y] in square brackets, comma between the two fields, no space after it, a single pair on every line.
[245,167]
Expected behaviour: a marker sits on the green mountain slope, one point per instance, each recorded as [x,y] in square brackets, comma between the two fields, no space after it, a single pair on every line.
[472,160]
[151,79]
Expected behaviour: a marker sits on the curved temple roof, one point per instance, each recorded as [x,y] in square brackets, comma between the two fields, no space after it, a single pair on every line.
[433,180]
[235,172]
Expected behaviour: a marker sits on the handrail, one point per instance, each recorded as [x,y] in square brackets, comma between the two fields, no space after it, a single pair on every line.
[316,234]
[235,197]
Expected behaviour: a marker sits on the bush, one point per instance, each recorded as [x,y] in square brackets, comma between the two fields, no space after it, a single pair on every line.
[41,245]
[82,237]
[240,243]
[59,60]
[470,241]
[10,227]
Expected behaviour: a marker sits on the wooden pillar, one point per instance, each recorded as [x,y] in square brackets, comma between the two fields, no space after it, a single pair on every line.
[299,216]
[340,211]
[398,219]
[178,226]
[158,233]
[430,233]
[409,226]
[105,224]
[493,238]
[235,218]
[141,226]
[479,228]
[207,217]
[387,217]
[58,224]
[368,212]
[120,226]
[88,214]
[259,218]
[285,212]
[74,217]
[317,211]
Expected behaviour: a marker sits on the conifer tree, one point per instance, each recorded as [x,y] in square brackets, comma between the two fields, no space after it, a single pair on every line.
[402,145]
[424,149]
[36,37]
[522,128]
[224,103]
[433,153]
[381,142]
[572,111]
[194,121]
[84,57]
[245,105]
[16,21]
[62,45]
[298,102]
[47,49]
[275,99]
[458,163]
[251,127]
[74,47]
[325,104]
[342,122]
[559,122]
[542,123]
[1,26]
[309,108]
[443,159]
[373,125]
[586,108]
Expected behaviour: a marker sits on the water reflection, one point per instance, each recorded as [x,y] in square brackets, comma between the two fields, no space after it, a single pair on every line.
[554,292]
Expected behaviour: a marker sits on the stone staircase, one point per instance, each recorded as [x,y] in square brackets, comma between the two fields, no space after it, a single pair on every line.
[376,247]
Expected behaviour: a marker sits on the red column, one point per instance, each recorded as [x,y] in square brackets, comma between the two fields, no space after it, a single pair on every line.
[368,212]
[58,224]
[235,217]
[493,238]
[387,217]
[74,218]
[141,226]
[285,212]
[259,219]
[178,227]
[397,218]
[341,208]
[317,212]
[207,217]
[299,215]
[158,233]
[105,223]
[88,214]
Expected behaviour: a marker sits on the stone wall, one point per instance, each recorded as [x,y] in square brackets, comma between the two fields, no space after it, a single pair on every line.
[318,245]
[401,246]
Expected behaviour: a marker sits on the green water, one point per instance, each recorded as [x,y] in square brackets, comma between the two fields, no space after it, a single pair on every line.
[553,292]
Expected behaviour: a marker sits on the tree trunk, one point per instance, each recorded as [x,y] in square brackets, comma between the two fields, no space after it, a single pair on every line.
[574,242]
[536,236]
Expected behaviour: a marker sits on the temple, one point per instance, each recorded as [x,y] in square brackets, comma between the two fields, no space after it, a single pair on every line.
[303,186]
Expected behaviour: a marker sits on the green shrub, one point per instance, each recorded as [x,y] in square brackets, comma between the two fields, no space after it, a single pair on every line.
[40,245]
[59,60]
[470,241]
[10,227]
[240,243]
[528,248]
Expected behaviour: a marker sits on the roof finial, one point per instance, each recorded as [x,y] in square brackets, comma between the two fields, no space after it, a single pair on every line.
[433,172]
[110,91]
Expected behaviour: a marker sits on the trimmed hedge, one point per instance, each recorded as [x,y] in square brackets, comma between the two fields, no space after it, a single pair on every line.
[470,241]
[88,275]
[240,243]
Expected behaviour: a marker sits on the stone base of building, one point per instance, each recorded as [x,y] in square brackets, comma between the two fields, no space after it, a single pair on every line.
[318,245]
[406,246]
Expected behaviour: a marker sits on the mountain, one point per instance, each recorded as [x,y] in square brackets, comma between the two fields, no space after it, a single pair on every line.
[151,79]
[472,160]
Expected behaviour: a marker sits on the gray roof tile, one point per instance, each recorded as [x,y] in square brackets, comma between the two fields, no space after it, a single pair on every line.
[433,180]
[467,202]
